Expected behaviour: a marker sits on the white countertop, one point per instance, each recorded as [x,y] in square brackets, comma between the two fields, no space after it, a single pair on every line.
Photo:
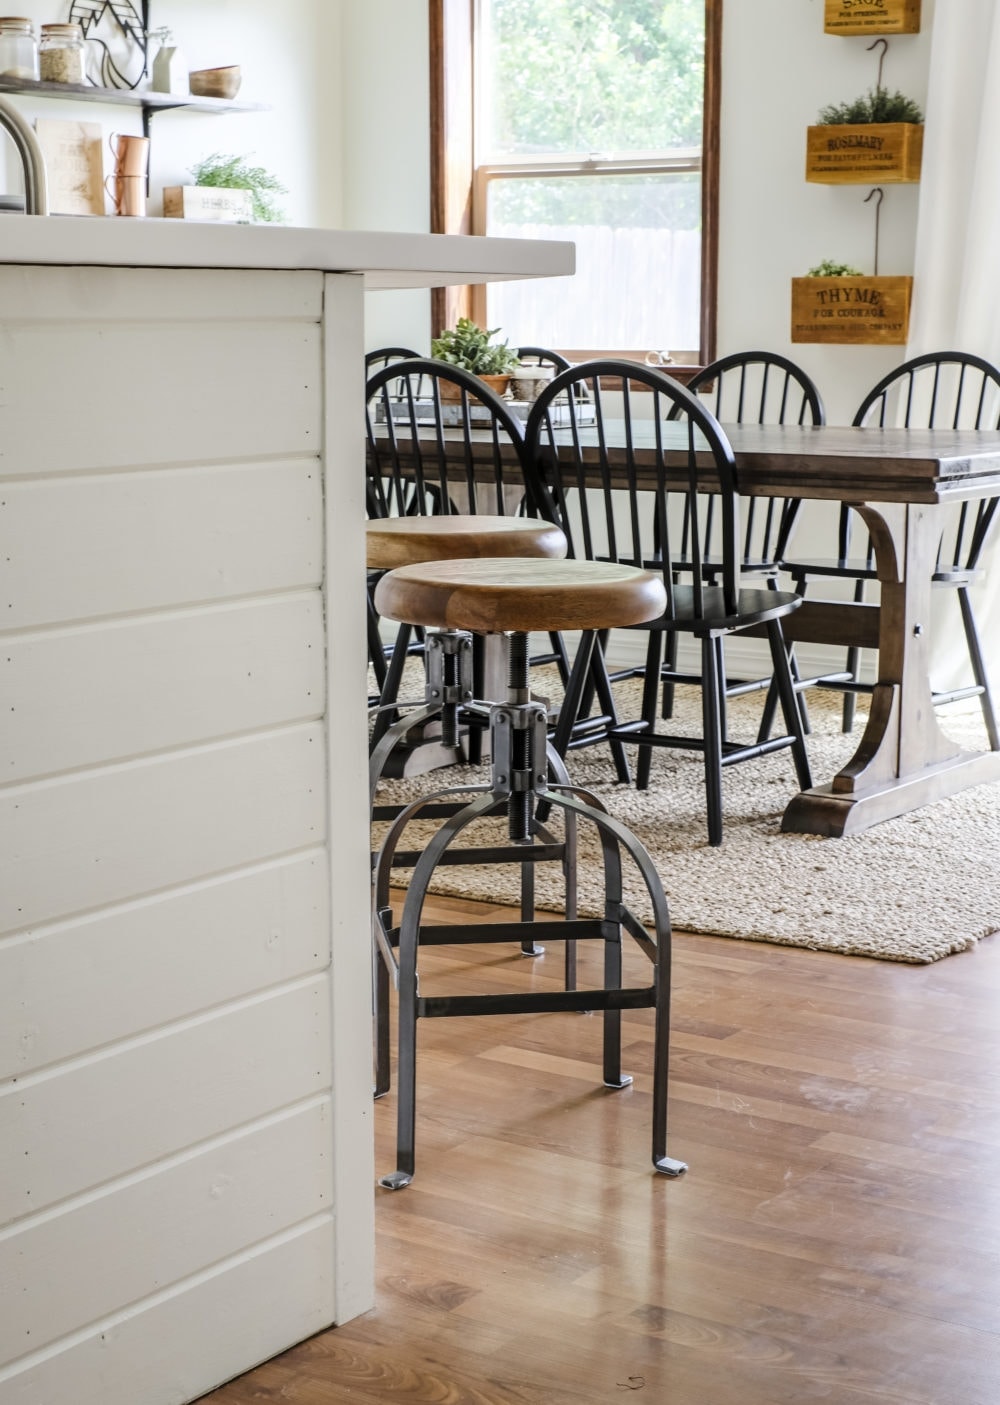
[387,260]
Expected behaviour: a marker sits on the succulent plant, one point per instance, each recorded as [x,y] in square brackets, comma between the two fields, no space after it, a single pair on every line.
[472,347]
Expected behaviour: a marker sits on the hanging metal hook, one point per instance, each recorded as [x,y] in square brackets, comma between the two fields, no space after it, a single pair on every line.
[881,60]
[876,190]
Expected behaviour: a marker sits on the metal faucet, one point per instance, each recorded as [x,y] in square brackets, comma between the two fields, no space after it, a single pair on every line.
[36,190]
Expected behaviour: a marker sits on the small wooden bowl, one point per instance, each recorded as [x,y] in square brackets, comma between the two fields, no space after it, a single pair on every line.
[216,82]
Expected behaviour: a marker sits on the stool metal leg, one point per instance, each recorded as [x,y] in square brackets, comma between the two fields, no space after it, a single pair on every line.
[520,778]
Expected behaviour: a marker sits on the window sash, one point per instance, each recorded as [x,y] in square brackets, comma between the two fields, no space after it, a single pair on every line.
[459,187]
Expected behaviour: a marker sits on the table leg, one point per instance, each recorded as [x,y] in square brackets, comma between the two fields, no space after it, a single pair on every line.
[904,760]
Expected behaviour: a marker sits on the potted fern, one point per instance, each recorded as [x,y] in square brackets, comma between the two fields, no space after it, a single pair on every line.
[226,188]
[475,349]
[837,303]
[877,137]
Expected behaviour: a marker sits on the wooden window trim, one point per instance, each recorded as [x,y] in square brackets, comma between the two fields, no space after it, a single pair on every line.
[452,158]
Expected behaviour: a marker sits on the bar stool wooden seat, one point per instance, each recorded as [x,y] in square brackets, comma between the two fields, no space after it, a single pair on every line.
[513,597]
[406,541]
[392,542]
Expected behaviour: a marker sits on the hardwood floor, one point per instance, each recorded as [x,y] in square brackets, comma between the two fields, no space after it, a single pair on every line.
[836,1239]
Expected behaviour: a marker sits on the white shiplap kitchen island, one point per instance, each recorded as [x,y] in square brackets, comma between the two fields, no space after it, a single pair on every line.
[186,1180]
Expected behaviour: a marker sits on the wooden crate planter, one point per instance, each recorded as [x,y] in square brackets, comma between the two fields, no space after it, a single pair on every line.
[849,154]
[855,311]
[872,17]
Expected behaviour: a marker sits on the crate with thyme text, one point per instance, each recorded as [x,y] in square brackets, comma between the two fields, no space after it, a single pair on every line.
[853,310]
[872,17]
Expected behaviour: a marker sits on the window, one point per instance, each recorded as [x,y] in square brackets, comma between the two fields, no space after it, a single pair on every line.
[590,120]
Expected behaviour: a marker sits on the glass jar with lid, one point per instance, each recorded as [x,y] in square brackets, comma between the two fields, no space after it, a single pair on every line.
[18,49]
[60,53]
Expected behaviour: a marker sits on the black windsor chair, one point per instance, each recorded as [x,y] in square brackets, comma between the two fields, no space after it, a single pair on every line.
[379,653]
[621,487]
[944,389]
[752,387]
[542,356]
[440,442]
[385,356]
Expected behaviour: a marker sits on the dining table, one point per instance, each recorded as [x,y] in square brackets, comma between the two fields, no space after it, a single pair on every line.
[901,482]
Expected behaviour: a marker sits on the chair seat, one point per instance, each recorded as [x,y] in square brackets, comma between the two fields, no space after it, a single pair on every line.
[490,596]
[753,607]
[861,570]
[831,566]
[404,541]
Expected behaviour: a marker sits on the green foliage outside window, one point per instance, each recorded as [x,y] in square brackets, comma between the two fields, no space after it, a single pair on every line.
[612,77]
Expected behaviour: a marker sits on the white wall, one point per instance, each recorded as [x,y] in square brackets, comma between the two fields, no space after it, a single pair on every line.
[778,70]
[386,155]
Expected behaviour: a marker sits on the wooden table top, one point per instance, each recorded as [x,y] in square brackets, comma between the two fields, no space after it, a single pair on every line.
[876,465]
[835,462]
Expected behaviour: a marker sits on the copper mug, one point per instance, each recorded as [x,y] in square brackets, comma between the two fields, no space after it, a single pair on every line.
[128,194]
[131,154]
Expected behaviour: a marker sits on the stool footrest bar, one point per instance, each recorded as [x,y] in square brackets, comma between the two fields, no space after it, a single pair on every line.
[537,1002]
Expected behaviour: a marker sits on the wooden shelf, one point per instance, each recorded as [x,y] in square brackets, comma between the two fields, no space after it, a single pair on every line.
[148,101]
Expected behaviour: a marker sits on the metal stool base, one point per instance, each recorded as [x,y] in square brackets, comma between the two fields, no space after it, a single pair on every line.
[521,765]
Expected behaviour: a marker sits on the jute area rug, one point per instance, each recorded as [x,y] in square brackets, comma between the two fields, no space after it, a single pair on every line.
[913,889]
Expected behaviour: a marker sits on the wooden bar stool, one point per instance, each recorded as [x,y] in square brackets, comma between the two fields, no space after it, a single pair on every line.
[514,597]
[405,541]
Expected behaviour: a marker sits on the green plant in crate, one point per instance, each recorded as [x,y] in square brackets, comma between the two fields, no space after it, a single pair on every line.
[829,269]
[234,173]
[473,349]
[877,105]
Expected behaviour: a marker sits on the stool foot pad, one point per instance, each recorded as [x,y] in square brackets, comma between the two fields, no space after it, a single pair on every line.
[667,1166]
[398,1180]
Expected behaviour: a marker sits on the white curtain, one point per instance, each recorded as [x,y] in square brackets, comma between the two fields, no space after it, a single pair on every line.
[956,287]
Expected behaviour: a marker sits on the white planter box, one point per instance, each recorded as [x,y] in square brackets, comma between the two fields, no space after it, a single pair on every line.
[207,202]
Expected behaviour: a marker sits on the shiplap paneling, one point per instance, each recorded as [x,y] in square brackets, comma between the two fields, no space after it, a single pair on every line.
[175,539]
[350,964]
[250,389]
[138,827]
[195,1335]
[176,1220]
[246,370]
[137,1102]
[78,697]
[110,544]
[158,960]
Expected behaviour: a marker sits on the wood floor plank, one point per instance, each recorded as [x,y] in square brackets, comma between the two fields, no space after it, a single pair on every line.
[836,1240]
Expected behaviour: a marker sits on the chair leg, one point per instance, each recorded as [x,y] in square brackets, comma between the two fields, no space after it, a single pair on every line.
[711,708]
[376,653]
[579,678]
[393,678]
[854,669]
[669,688]
[723,695]
[598,676]
[978,667]
[771,701]
[789,703]
[650,694]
